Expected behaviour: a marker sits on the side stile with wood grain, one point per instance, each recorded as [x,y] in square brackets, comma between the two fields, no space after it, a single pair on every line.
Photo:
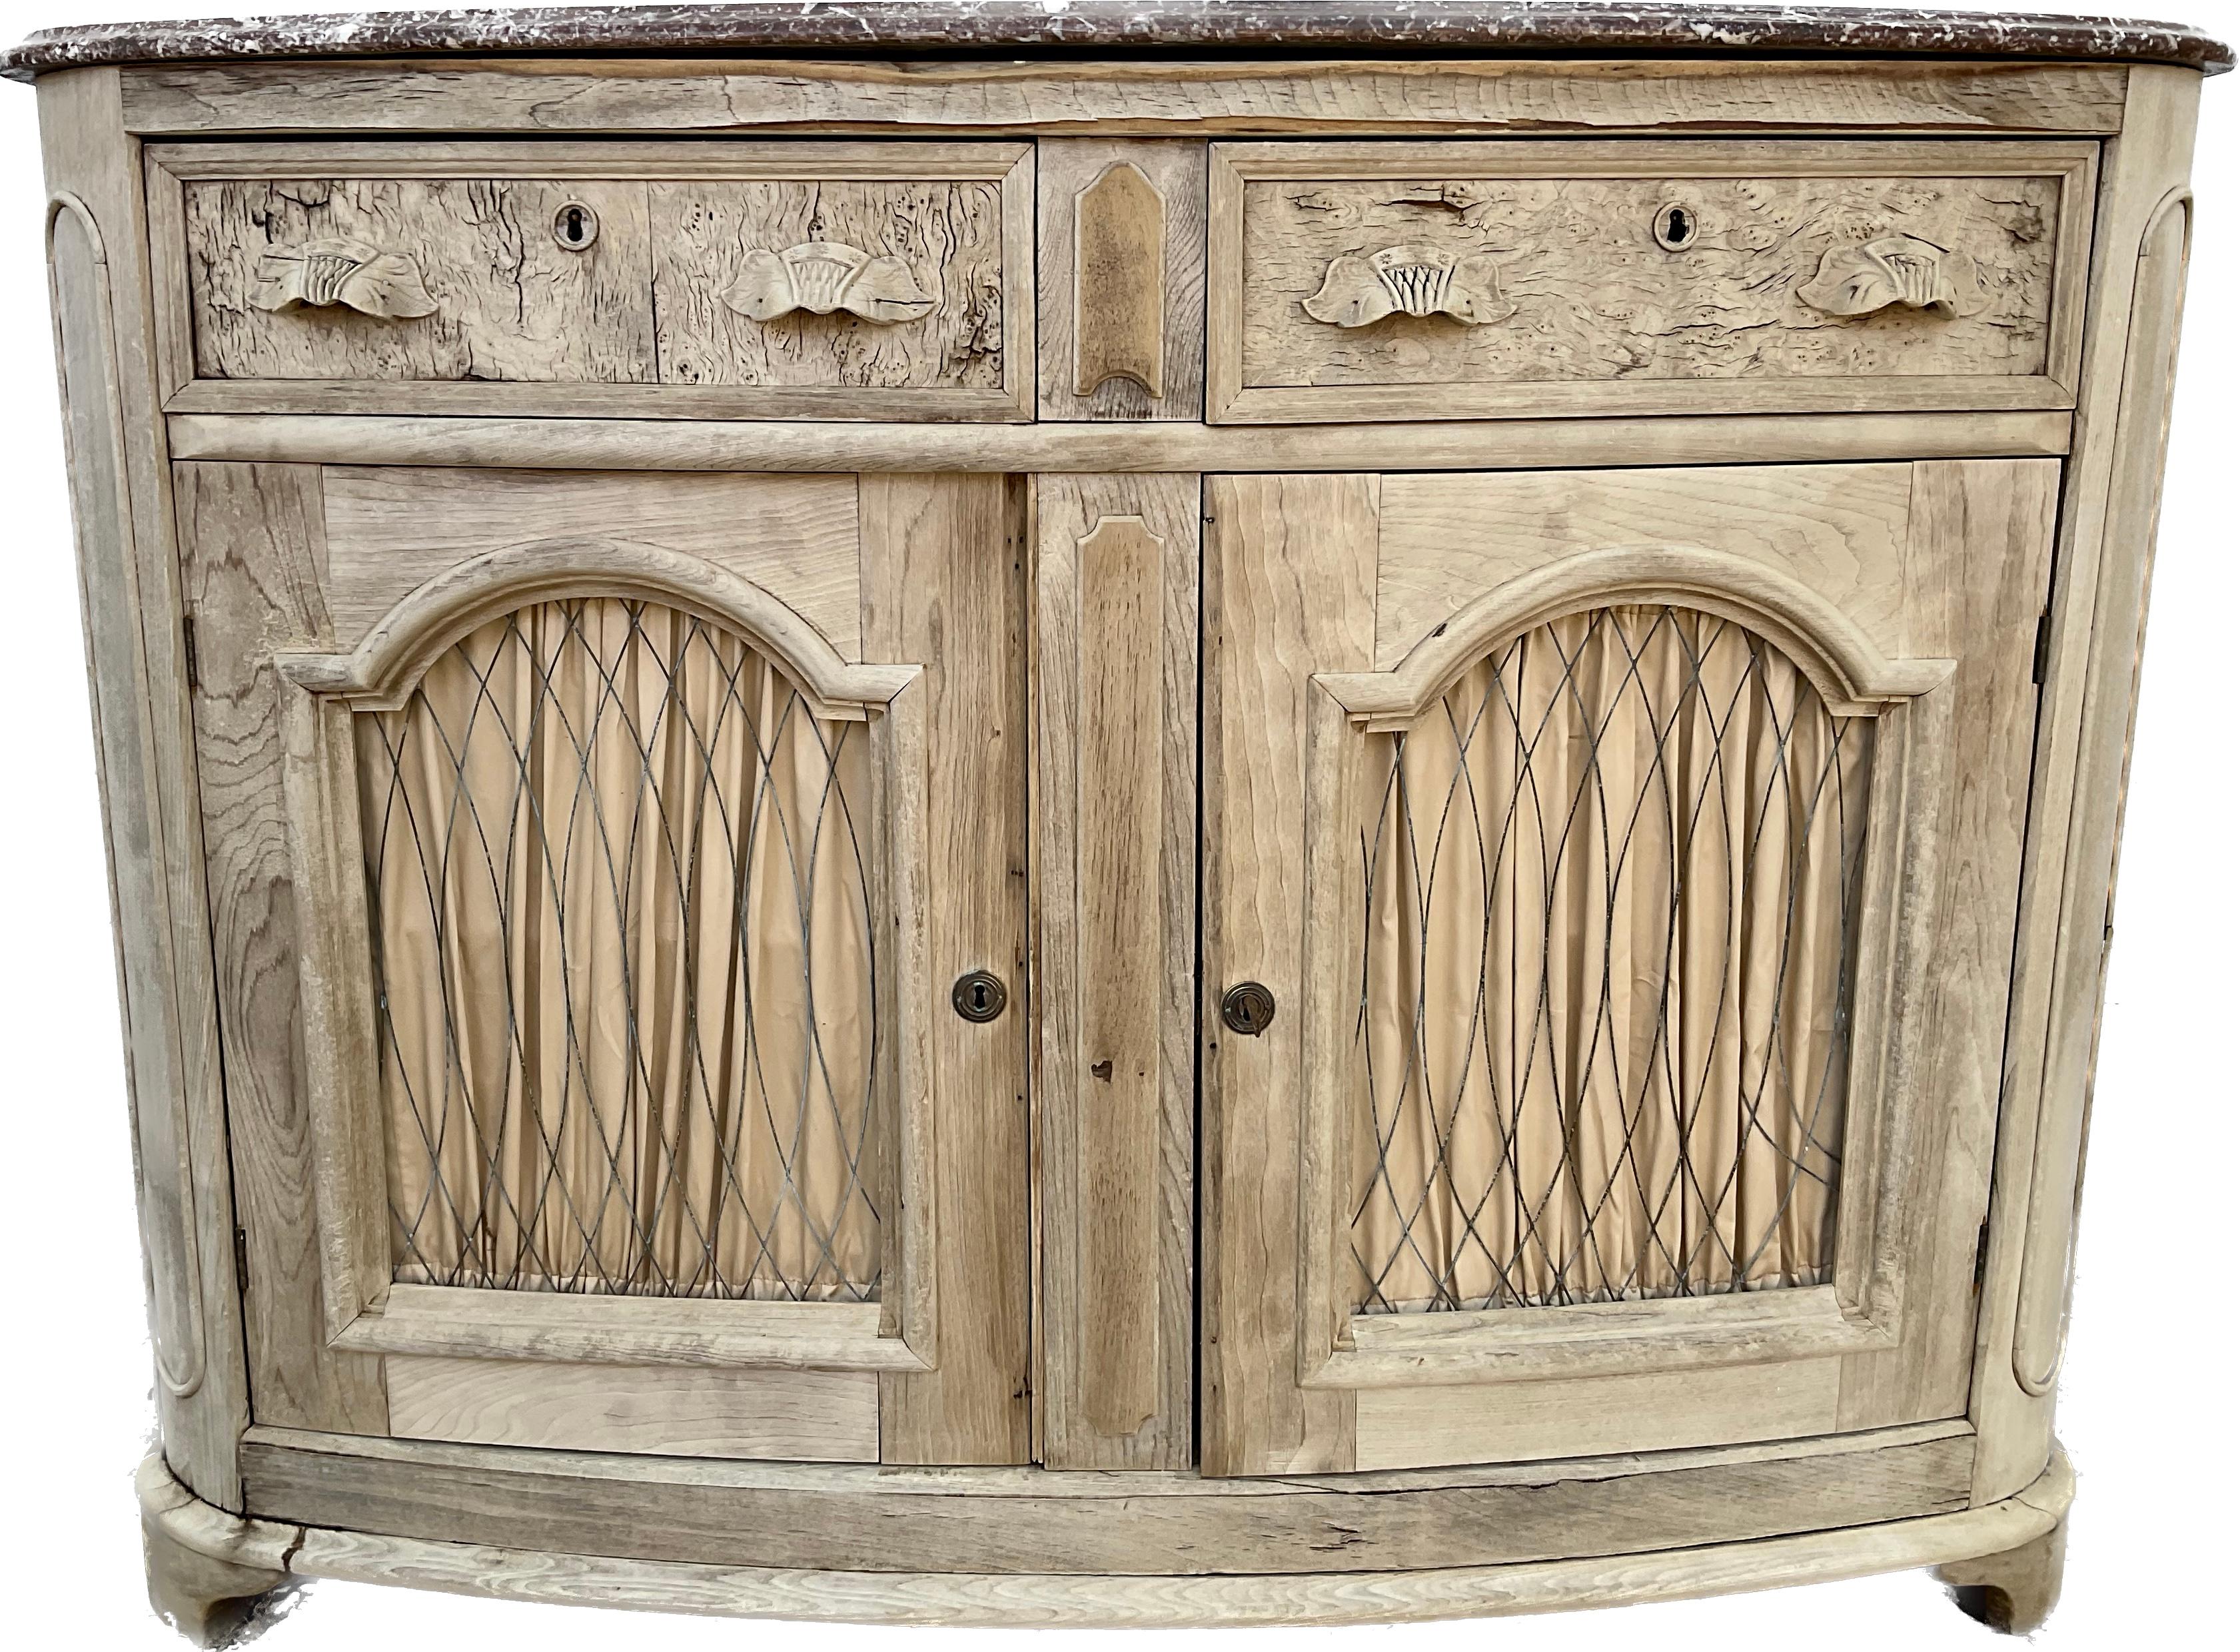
[1116,902]
[944,582]
[2097,609]
[139,669]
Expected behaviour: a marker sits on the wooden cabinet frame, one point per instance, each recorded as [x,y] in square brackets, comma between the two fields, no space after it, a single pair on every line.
[1023,595]
[365,1312]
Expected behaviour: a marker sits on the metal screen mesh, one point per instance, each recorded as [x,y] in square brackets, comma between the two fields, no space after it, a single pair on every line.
[624,964]
[1612,887]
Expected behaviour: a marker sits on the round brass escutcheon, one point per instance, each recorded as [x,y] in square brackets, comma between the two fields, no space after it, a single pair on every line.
[574,226]
[1674,227]
[1248,1008]
[979,996]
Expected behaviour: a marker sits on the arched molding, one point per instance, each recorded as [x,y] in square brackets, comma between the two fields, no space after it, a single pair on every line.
[1854,677]
[68,201]
[172,1262]
[381,671]
[322,694]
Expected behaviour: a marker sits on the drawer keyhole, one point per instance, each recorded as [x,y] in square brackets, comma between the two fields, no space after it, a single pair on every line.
[574,226]
[1674,227]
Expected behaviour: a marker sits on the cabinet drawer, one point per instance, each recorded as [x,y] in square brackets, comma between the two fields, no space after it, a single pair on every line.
[809,280]
[1376,281]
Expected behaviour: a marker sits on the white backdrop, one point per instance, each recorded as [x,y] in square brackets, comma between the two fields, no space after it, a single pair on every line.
[2144,1405]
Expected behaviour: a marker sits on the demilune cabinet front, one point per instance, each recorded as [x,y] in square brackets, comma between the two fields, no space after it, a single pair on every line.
[1000,827]
[1599,918]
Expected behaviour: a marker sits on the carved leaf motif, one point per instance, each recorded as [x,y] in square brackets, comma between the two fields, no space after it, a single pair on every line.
[352,274]
[820,277]
[1359,289]
[1897,270]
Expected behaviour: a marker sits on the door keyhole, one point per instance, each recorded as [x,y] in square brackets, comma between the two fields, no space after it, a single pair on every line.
[978,996]
[1248,1008]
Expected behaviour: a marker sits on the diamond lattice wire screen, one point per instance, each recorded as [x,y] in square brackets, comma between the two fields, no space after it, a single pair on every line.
[1612,887]
[625,965]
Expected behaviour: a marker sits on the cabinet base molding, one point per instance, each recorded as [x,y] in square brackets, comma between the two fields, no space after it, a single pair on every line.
[204,1573]
[2016,1592]
[2011,1546]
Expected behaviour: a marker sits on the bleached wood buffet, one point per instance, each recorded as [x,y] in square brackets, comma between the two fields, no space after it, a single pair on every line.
[1003,813]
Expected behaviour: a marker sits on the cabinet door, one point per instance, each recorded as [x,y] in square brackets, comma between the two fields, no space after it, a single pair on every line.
[587,984]
[1627,863]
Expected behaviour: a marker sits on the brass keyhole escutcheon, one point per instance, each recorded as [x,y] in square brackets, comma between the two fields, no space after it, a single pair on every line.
[574,226]
[1248,1008]
[1675,227]
[979,995]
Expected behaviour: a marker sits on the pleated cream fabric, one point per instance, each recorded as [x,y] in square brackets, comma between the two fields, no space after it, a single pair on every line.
[1612,889]
[624,961]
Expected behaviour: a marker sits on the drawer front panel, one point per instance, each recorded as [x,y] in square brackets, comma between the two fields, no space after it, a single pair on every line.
[789,280]
[282,272]
[1462,280]
[938,320]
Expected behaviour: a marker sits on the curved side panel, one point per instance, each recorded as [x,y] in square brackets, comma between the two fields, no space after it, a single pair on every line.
[108,591]
[2057,1165]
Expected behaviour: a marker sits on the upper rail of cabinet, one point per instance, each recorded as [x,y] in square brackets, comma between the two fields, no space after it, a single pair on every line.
[1338,96]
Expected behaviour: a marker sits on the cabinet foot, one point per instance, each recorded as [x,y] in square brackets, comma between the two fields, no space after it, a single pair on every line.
[2014,1592]
[210,1601]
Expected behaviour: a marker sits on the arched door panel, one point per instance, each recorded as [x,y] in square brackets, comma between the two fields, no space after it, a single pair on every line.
[1627,804]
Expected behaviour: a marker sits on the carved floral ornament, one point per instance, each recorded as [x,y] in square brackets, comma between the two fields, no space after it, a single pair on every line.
[340,272]
[1359,289]
[1415,280]
[1897,270]
[820,277]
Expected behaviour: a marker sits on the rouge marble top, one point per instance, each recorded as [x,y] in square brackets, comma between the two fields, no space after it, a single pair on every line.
[961,28]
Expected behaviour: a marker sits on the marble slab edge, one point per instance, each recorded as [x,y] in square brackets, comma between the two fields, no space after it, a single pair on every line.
[1050,28]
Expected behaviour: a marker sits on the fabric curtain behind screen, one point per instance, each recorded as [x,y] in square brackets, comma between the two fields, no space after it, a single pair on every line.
[1612,885]
[625,966]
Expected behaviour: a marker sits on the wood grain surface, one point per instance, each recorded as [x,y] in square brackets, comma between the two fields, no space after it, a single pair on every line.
[1534,97]
[1116,899]
[390,528]
[944,584]
[513,304]
[950,233]
[250,545]
[807,1416]
[1125,1522]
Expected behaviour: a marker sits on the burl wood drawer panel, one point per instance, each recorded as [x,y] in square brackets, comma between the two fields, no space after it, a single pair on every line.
[1406,281]
[715,280]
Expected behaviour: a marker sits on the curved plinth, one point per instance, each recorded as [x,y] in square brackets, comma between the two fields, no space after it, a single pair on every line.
[279,1550]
